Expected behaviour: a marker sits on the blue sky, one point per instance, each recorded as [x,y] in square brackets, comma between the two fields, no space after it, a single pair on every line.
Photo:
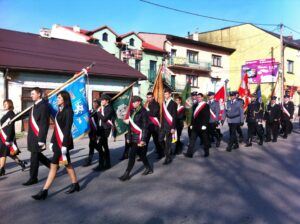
[133,15]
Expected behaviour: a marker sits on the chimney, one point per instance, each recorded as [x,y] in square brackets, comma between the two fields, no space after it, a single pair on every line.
[189,35]
[76,28]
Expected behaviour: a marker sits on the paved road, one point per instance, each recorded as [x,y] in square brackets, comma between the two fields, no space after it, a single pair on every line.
[249,185]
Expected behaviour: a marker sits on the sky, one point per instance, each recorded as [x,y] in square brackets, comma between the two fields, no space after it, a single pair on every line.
[134,15]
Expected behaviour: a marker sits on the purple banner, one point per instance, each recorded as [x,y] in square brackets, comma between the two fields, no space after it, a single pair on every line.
[261,71]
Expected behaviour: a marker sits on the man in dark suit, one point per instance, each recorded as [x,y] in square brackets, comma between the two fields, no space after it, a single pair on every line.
[37,134]
[272,117]
[153,109]
[168,126]
[200,124]
[287,115]
[214,107]
[105,115]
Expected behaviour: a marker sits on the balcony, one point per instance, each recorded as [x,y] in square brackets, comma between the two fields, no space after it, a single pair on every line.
[184,63]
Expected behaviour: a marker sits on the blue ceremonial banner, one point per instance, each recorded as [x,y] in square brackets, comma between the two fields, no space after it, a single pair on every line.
[77,91]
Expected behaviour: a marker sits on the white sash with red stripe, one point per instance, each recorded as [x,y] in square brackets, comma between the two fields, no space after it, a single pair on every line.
[285,111]
[33,124]
[199,108]
[155,121]
[180,109]
[59,138]
[101,110]
[136,129]
[167,115]
[13,149]
[93,124]
[212,115]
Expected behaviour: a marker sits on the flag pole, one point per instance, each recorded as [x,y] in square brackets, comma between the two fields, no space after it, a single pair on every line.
[123,91]
[82,72]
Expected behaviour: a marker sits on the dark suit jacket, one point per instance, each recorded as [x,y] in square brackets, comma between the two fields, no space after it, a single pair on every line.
[141,119]
[8,130]
[172,108]
[201,119]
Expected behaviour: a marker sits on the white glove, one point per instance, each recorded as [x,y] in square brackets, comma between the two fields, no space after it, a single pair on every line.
[203,127]
[191,127]
[64,150]
[8,143]
[42,145]
[50,147]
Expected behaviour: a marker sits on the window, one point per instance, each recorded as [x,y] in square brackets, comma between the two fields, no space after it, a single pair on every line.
[138,65]
[290,66]
[104,37]
[131,42]
[173,52]
[193,80]
[192,57]
[217,60]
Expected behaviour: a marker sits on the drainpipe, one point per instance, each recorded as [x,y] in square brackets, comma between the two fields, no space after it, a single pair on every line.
[6,84]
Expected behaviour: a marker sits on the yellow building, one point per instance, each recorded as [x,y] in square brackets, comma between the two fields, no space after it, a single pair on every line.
[254,43]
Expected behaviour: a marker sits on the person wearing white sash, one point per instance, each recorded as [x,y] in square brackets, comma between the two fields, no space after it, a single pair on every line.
[179,124]
[61,144]
[137,135]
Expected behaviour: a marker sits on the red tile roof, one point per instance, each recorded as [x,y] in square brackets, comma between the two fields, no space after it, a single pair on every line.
[150,47]
[31,52]
[128,34]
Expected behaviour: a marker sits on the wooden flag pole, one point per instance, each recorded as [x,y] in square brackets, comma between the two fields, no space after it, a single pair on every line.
[123,91]
[82,72]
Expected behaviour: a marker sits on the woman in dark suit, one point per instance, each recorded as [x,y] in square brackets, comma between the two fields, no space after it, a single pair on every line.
[8,146]
[61,143]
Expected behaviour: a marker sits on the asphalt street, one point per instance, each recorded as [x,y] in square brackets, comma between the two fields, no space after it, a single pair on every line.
[249,185]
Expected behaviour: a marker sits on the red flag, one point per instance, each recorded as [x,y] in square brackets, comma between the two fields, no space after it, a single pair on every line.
[220,96]
[244,91]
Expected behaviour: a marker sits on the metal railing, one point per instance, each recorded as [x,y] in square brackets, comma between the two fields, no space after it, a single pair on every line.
[183,61]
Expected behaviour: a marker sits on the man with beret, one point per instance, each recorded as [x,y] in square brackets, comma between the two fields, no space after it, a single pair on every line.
[137,136]
[168,125]
[272,117]
[105,115]
[287,116]
[94,131]
[234,112]
[199,127]
[254,120]
[214,107]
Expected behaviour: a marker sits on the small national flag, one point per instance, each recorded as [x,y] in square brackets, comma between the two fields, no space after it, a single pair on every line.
[77,91]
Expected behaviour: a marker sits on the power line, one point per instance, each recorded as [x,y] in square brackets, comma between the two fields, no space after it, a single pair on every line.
[291,29]
[204,16]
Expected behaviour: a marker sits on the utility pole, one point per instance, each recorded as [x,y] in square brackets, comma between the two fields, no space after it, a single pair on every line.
[281,63]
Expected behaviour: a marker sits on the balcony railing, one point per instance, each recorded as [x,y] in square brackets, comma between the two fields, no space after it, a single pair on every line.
[184,62]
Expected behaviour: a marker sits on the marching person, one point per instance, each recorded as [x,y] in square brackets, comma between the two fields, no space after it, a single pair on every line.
[195,102]
[137,136]
[37,133]
[272,117]
[168,127]
[93,133]
[239,128]
[153,110]
[235,117]
[199,126]
[8,145]
[61,144]
[214,107]
[254,120]
[179,124]
[105,116]
[287,116]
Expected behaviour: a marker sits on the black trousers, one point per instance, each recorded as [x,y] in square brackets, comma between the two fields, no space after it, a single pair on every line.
[239,131]
[93,144]
[213,133]
[179,143]
[35,159]
[127,147]
[104,154]
[141,151]
[272,130]
[166,145]
[286,127]
[255,128]
[204,137]
[232,134]
[154,132]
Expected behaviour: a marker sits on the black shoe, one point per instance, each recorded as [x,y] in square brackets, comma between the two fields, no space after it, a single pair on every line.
[285,136]
[274,140]
[188,155]
[73,188]
[22,164]
[30,182]
[125,176]
[206,154]
[2,171]
[229,149]
[88,162]
[42,195]
[98,168]
[167,161]
[268,140]
[139,159]
[261,142]
[236,146]
[248,144]
[147,171]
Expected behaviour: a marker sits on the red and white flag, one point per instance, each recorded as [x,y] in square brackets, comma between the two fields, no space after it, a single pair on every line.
[244,91]
[221,97]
